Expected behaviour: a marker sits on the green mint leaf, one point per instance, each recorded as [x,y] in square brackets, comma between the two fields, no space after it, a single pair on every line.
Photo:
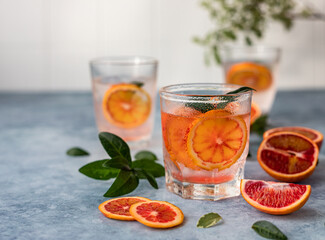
[260,125]
[151,167]
[124,183]
[268,230]
[147,155]
[204,107]
[241,89]
[117,162]
[137,83]
[77,151]
[209,220]
[115,146]
[97,171]
[151,179]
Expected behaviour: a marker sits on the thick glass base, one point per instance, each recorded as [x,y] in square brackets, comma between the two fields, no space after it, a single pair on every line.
[211,192]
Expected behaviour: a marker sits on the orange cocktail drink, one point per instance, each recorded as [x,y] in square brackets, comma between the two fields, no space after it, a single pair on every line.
[124,92]
[254,67]
[205,134]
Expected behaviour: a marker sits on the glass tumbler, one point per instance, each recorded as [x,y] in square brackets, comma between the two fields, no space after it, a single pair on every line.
[254,67]
[124,92]
[205,132]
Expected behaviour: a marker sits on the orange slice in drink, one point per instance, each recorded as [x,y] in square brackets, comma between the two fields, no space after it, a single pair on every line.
[126,105]
[312,134]
[255,112]
[175,132]
[217,140]
[251,75]
[288,156]
[157,214]
[274,197]
[118,208]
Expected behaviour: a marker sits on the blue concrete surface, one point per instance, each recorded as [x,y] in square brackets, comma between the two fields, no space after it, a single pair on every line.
[43,196]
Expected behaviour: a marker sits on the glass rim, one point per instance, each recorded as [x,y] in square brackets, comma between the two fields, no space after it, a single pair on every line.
[128,60]
[255,48]
[167,91]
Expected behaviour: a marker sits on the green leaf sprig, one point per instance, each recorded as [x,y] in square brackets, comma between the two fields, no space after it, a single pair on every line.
[121,167]
[268,230]
[77,152]
[209,220]
[204,107]
[247,21]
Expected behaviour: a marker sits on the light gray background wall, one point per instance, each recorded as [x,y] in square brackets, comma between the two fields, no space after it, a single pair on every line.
[46,44]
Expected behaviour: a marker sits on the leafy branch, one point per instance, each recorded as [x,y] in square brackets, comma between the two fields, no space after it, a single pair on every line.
[121,167]
[247,21]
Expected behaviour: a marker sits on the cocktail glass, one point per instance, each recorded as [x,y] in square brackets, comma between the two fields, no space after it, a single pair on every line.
[124,93]
[254,67]
[205,134]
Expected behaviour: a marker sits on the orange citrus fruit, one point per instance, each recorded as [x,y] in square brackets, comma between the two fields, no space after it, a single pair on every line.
[274,197]
[251,75]
[126,105]
[255,112]
[175,132]
[157,214]
[217,140]
[118,208]
[314,135]
[288,156]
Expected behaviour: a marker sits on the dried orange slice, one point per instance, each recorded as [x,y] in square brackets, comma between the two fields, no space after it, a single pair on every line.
[217,140]
[118,208]
[251,75]
[126,105]
[274,197]
[312,134]
[255,112]
[157,214]
[288,156]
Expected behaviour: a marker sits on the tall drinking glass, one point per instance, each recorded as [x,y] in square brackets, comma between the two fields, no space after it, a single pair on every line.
[205,133]
[124,92]
[254,67]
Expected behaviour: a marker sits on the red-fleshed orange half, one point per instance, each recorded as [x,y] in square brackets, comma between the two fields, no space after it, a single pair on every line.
[313,134]
[288,156]
[275,198]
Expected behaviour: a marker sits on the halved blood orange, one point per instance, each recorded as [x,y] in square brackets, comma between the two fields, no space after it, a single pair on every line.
[126,105]
[157,214]
[274,197]
[217,140]
[251,75]
[118,208]
[313,134]
[176,127]
[288,156]
[255,112]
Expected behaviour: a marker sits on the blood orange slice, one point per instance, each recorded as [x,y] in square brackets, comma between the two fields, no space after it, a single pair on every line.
[314,135]
[274,197]
[251,75]
[157,214]
[126,105]
[217,140]
[255,112]
[176,127]
[288,156]
[118,208]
